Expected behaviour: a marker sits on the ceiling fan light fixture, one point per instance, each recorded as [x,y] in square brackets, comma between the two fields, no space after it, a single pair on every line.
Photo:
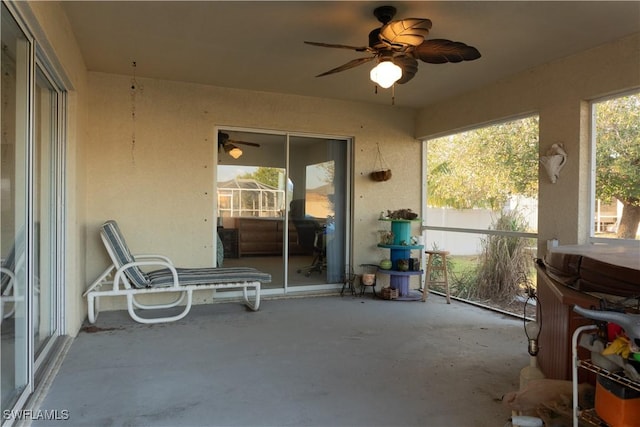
[233,151]
[385,74]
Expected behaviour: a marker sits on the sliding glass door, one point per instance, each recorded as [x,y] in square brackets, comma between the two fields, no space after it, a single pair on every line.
[282,206]
[31,219]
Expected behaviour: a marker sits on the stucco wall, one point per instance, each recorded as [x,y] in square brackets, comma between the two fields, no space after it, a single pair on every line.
[160,188]
[558,92]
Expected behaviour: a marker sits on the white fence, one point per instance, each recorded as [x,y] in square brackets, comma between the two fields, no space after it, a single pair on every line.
[461,243]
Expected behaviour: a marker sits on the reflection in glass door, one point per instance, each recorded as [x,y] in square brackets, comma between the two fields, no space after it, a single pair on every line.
[14,276]
[44,187]
[252,200]
[317,210]
[282,206]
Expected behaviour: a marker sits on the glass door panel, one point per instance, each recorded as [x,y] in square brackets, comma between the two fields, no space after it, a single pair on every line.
[14,93]
[251,201]
[317,169]
[44,297]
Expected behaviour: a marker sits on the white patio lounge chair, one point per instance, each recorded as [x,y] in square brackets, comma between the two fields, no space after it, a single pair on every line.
[124,277]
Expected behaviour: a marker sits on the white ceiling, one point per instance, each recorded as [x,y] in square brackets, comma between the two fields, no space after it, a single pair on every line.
[259,45]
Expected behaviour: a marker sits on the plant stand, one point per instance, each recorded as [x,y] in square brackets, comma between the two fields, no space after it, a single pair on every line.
[401,250]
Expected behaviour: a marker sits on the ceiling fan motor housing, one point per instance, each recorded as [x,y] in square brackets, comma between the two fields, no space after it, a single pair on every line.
[384,13]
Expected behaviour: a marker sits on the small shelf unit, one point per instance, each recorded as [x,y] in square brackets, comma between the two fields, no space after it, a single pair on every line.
[589,416]
[401,249]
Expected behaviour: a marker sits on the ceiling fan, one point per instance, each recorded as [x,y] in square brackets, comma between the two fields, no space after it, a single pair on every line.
[397,45]
[229,145]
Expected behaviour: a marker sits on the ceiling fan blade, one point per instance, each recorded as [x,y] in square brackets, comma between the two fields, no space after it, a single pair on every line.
[223,139]
[409,67]
[406,32]
[440,51]
[348,65]
[251,144]
[340,46]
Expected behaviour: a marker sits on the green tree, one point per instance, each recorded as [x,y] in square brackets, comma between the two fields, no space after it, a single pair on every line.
[329,171]
[618,158]
[264,175]
[481,168]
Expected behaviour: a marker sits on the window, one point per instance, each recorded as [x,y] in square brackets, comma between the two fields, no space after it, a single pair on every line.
[482,207]
[616,168]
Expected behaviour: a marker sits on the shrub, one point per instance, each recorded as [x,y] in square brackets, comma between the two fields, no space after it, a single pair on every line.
[505,260]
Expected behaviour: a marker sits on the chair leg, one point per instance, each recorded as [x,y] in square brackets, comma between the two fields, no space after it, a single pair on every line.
[255,305]
[427,278]
[344,285]
[131,309]
[348,284]
[446,277]
[92,308]
[174,303]
[363,288]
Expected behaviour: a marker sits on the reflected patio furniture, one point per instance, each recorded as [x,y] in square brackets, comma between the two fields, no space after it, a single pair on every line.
[311,236]
[7,296]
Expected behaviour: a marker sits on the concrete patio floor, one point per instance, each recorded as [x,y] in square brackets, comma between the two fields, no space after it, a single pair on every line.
[313,361]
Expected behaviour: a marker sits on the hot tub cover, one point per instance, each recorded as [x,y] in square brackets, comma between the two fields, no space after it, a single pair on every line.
[607,269]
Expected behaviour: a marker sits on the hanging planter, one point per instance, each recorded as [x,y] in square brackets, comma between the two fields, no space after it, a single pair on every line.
[381,171]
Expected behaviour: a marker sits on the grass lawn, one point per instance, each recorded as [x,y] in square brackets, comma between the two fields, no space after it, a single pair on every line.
[462,282]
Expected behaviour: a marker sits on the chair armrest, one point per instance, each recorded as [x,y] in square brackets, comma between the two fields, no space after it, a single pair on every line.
[121,271]
[153,256]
